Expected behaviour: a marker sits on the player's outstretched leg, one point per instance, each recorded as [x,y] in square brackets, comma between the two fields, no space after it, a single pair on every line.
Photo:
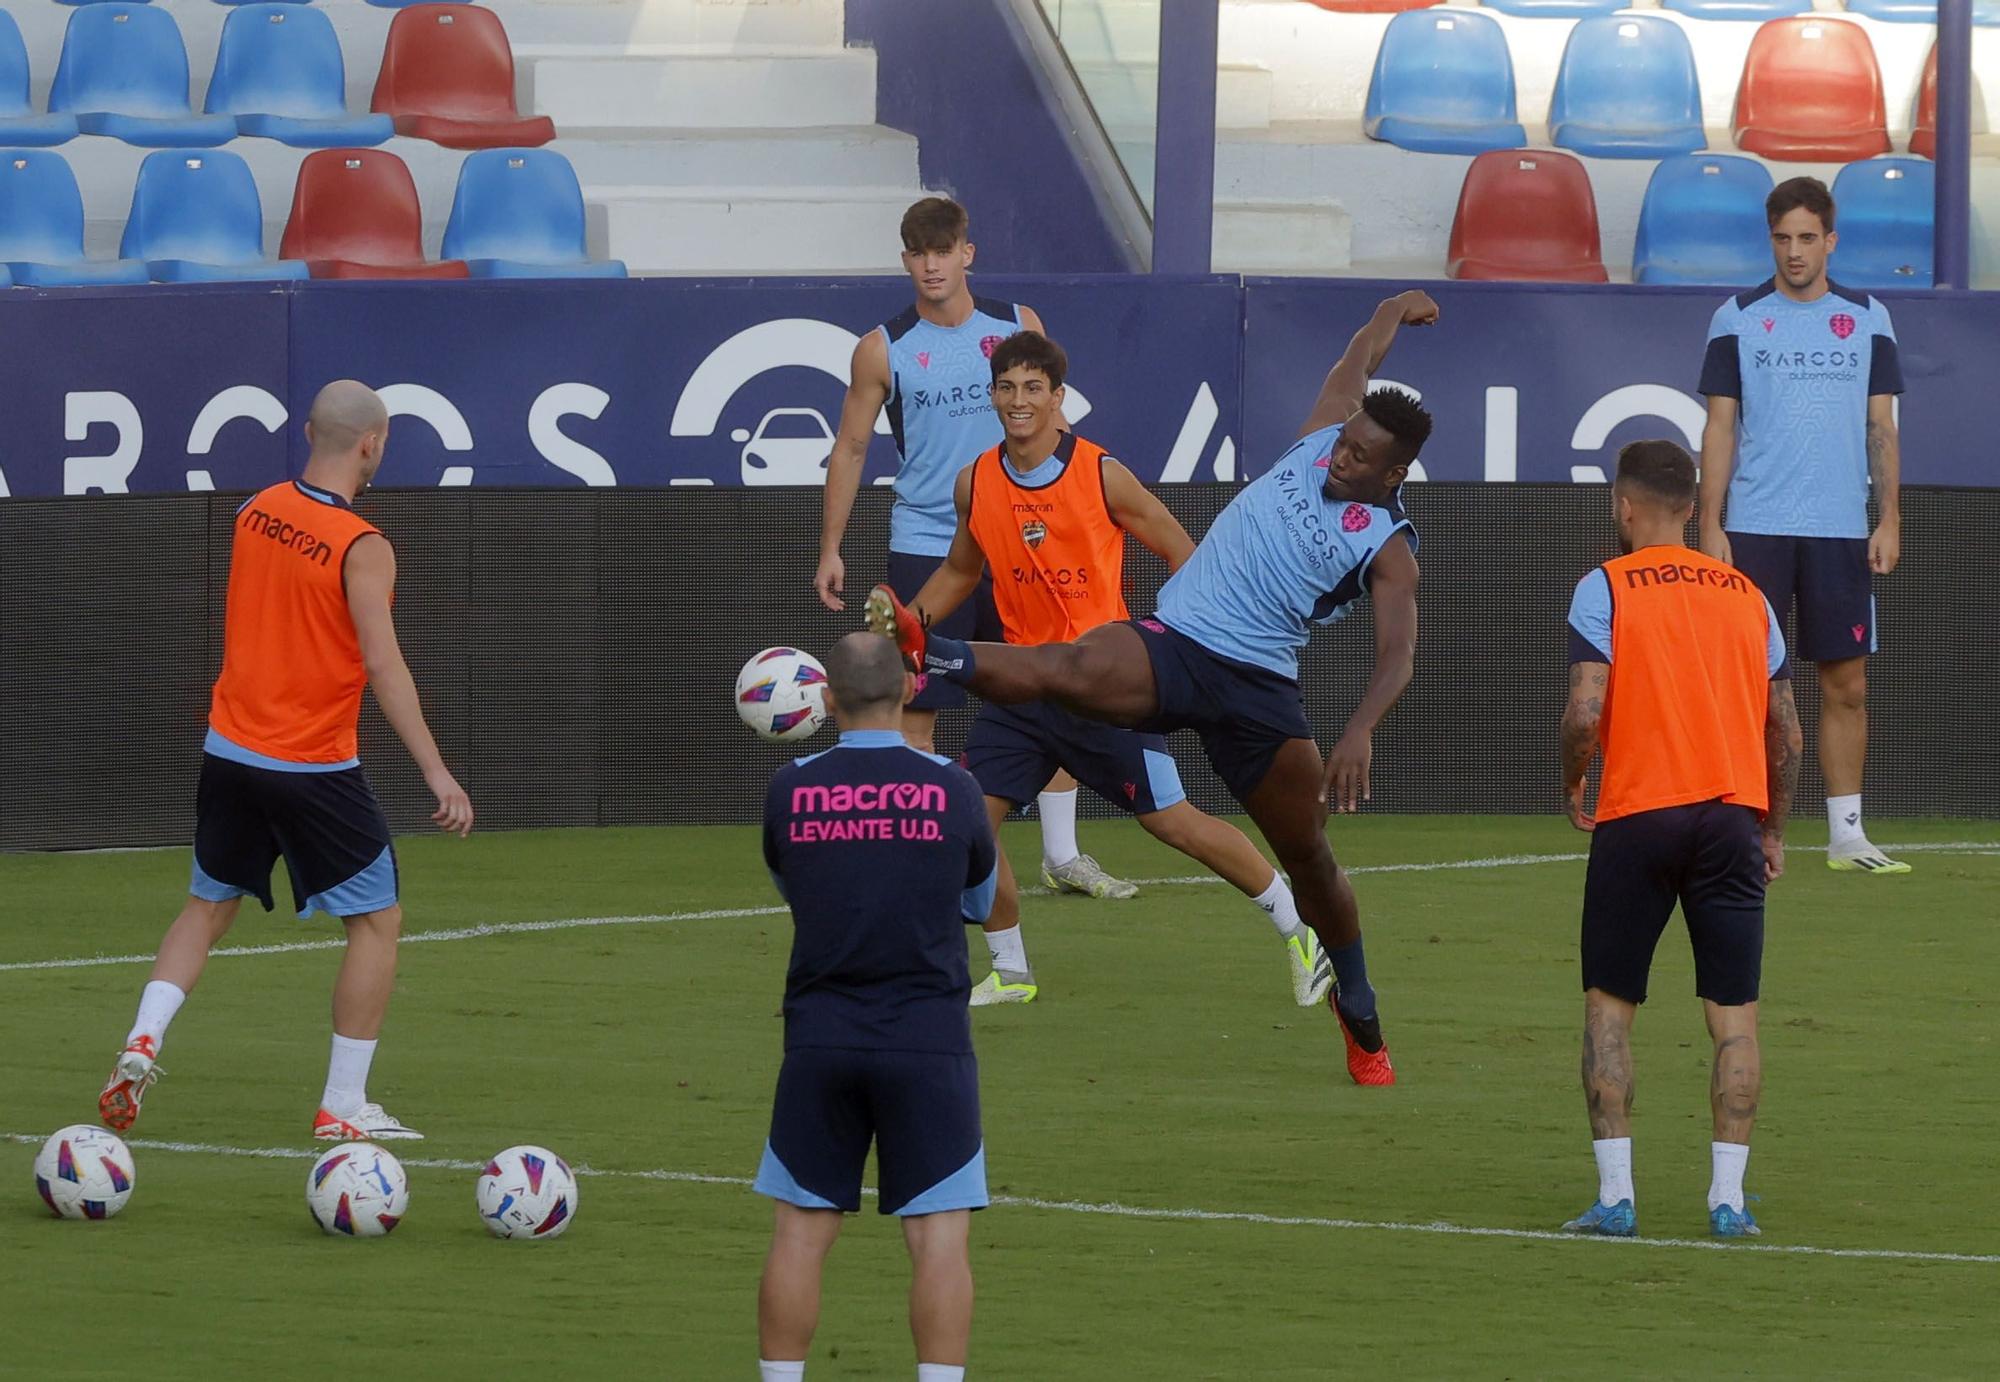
[1228,851]
[1287,809]
[183,955]
[360,1003]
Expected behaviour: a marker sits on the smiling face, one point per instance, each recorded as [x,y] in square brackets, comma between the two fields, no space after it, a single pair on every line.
[938,274]
[1800,243]
[1368,463]
[1029,409]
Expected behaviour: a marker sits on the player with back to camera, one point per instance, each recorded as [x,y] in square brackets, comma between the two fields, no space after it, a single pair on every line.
[1801,376]
[928,367]
[1047,513]
[1300,545]
[1678,669]
[308,626]
[884,855]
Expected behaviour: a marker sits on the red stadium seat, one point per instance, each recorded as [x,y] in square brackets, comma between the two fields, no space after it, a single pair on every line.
[1923,134]
[1812,93]
[1526,214]
[1374,6]
[448,76]
[355,215]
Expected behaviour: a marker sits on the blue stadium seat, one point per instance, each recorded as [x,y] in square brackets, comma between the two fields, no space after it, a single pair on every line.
[1703,222]
[1554,9]
[1887,214]
[1443,84]
[41,225]
[20,126]
[518,213]
[124,73]
[196,219]
[279,71]
[1756,11]
[1627,88]
[1985,13]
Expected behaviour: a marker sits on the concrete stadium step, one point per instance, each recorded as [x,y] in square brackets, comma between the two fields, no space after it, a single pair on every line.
[1279,237]
[639,88]
[821,230]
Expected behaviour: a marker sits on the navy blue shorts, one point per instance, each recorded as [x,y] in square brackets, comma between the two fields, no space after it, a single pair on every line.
[1830,578]
[327,827]
[975,621]
[1244,714]
[1013,751]
[1708,857]
[919,1108]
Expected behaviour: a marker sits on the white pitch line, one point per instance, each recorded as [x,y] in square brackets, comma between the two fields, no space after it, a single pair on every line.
[517,928]
[1111,1209]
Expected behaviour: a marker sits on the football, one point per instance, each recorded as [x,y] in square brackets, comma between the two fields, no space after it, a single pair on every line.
[84,1172]
[781,694]
[527,1192]
[357,1190]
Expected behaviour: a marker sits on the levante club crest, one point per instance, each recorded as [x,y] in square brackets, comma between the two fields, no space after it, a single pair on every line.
[1034,531]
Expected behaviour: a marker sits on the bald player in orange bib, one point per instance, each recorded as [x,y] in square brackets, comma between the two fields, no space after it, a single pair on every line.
[308,626]
[1048,512]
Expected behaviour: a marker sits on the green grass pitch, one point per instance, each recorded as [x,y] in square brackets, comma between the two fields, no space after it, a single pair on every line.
[1163,1069]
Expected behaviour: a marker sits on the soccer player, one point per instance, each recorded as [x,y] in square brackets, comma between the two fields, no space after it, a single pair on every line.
[883,853]
[928,367]
[1300,545]
[1677,668]
[1047,513]
[308,625]
[1801,377]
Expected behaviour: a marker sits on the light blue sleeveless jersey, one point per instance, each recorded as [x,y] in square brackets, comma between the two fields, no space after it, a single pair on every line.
[1281,558]
[941,413]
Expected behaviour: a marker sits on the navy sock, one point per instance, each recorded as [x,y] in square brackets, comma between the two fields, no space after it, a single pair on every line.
[949,658]
[1350,972]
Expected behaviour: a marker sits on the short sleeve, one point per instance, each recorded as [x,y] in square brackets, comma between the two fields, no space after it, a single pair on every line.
[1721,366]
[1778,661]
[1885,360]
[1590,619]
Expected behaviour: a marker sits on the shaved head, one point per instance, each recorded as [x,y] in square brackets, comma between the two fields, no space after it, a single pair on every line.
[865,673]
[344,412]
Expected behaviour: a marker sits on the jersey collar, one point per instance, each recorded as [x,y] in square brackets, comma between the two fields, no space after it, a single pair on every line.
[871,739]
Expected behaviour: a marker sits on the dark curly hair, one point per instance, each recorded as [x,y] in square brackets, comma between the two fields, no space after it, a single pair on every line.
[1401,416]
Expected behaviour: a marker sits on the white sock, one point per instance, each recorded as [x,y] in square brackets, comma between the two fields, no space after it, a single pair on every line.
[780,1372]
[1843,820]
[1725,1184]
[347,1075]
[157,1006]
[1614,1169]
[1058,827]
[1280,906]
[1009,951]
[939,1372]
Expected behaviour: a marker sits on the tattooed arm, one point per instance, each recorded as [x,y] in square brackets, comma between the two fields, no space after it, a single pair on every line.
[1783,745]
[1885,478]
[1587,681]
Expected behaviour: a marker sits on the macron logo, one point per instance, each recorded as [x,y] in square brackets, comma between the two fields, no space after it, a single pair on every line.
[869,796]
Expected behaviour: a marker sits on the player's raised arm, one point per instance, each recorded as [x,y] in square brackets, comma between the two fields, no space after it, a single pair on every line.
[1139,512]
[1392,587]
[953,583]
[1718,462]
[867,390]
[1347,383]
[1885,479]
[371,581]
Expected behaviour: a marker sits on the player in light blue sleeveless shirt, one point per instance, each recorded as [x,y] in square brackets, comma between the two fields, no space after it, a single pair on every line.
[1299,546]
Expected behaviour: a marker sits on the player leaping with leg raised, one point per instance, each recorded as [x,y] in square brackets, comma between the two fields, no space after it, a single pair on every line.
[1297,547]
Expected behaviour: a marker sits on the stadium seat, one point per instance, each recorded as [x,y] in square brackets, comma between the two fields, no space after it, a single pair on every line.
[280,73]
[196,218]
[1555,9]
[1886,217]
[1703,222]
[1526,214]
[1627,88]
[20,125]
[1443,84]
[1811,92]
[448,76]
[1896,11]
[355,215]
[41,225]
[1753,10]
[518,213]
[124,73]
[1923,126]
